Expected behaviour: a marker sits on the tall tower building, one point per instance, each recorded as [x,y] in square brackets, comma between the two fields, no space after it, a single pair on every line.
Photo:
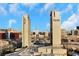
[25,31]
[55,28]
[56,34]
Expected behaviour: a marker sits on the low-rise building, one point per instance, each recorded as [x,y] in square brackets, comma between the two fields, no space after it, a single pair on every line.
[9,34]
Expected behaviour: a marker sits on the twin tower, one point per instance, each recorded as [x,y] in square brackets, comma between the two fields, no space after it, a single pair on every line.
[55,31]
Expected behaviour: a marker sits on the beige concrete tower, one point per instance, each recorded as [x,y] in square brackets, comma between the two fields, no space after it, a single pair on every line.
[26,31]
[56,28]
[56,34]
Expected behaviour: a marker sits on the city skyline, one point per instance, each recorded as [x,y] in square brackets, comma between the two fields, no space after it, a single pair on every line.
[39,13]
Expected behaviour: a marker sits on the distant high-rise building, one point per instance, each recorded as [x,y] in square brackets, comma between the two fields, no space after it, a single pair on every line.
[26,31]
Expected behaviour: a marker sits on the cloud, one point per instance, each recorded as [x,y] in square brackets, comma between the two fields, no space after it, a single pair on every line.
[47,25]
[30,5]
[78,8]
[47,7]
[13,7]
[72,22]
[8,8]
[11,22]
[3,10]
[69,8]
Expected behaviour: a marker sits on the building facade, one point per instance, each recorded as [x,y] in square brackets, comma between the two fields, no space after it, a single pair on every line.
[9,34]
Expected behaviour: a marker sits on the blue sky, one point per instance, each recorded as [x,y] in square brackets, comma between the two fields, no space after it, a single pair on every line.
[11,15]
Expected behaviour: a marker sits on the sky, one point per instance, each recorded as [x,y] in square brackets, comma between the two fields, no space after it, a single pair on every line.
[11,15]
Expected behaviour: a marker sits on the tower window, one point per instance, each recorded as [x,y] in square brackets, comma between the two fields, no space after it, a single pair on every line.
[54,14]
